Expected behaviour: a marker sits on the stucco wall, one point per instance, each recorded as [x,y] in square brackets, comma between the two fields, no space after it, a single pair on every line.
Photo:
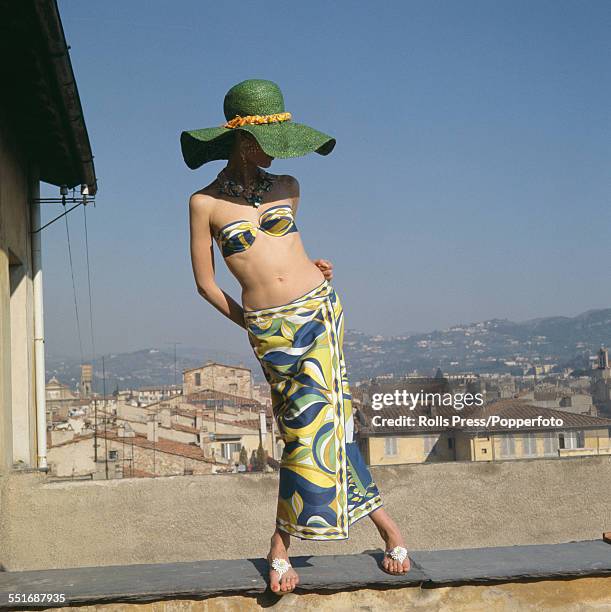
[219,377]
[181,518]
[16,314]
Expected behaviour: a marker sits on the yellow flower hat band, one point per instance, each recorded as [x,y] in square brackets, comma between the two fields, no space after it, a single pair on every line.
[238,121]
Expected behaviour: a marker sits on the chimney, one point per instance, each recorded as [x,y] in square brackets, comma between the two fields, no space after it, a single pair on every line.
[152,430]
[262,427]
[166,417]
[205,444]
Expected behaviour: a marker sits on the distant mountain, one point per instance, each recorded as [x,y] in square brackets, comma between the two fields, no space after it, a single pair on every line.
[497,345]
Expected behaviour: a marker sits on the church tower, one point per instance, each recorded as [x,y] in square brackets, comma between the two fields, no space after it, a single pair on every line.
[86,378]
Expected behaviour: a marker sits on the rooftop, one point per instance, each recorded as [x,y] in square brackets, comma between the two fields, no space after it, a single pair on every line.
[210,364]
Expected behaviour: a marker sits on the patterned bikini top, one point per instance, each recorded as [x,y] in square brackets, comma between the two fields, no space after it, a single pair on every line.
[238,236]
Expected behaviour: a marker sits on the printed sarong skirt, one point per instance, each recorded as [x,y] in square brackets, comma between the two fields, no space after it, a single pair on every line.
[325,485]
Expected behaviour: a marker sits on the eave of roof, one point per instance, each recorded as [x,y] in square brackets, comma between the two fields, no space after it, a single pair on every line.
[42,99]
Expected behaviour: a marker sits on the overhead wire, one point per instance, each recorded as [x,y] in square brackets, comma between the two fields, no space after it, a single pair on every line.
[93,352]
[78,324]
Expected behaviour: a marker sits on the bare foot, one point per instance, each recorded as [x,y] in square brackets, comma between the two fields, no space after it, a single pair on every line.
[278,550]
[392,537]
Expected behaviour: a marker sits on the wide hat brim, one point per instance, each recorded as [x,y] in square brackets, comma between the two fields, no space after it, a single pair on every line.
[282,140]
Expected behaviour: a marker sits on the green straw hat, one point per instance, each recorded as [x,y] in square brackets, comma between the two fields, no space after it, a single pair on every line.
[256,106]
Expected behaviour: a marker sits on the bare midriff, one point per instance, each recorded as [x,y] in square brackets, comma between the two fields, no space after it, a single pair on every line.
[273,271]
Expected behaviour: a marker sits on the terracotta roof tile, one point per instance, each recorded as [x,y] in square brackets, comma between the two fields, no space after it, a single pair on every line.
[162,445]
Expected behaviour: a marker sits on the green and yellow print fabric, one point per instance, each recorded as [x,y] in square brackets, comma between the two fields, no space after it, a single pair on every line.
[325,485]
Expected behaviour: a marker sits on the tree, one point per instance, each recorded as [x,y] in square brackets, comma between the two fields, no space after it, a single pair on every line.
[261,458]
[243,456]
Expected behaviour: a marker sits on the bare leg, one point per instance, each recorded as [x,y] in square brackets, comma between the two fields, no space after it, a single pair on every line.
[392,537]
[279,546]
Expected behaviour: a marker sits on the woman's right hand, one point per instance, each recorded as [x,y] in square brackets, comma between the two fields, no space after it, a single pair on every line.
[325,266]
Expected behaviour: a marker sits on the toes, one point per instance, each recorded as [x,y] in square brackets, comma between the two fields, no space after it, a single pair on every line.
[288,583]
[392,566]
[273,582]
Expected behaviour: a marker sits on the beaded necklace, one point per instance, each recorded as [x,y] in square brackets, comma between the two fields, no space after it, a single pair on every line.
[251,193]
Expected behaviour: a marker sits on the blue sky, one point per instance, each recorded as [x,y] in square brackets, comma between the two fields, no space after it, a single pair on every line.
[470,180]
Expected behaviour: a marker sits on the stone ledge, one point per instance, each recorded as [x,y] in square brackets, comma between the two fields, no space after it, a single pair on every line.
[200,579]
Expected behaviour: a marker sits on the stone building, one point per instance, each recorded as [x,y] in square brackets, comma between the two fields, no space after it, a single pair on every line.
[387,438]
[213,376]
[42,138]
[130,455]
[59,399]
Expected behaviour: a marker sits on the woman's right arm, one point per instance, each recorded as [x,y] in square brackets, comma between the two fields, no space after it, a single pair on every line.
[202,260]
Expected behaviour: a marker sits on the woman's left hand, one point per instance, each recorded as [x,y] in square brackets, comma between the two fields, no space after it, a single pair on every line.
[325,266]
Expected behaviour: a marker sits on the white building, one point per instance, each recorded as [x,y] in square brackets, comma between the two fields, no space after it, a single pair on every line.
[42,138]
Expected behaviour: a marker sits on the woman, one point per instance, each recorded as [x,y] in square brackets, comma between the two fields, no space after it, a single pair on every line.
[293,317]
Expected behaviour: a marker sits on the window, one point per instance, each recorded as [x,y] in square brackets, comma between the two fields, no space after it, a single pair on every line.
[529,444]
[550,443]
[563,439]
[113,455]
[571,439]
[229,448]
[198,379]
[390,446]
[508,447]
[450,442]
